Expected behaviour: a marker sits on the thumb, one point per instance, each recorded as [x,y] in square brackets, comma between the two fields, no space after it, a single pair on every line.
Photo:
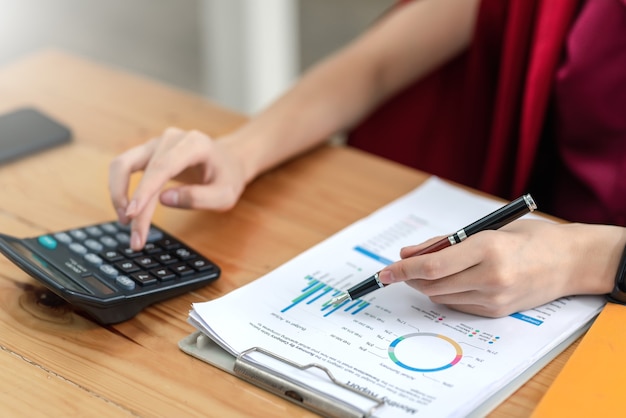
[210,197]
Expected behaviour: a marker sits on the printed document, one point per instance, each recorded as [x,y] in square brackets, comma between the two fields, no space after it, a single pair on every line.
[423,359]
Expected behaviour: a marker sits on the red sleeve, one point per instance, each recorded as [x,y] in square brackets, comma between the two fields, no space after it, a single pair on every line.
[466,121]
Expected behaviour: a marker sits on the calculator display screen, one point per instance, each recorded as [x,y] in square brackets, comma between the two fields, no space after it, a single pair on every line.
[55,275]
[97,284]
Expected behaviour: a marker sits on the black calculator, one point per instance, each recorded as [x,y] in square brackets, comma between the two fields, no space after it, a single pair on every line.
[94,269]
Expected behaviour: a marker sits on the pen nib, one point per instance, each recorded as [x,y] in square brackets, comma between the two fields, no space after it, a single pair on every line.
[340,299]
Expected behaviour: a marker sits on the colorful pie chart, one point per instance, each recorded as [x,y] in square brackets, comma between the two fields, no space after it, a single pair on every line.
[425,352]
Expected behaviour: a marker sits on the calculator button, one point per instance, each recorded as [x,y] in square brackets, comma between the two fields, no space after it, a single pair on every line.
[163,274]
[112,255]
[63,237]
[109,270]
[47,241]
[108,241]
[184,254]
[146,262]
[167,244]
[166,258]
[93,245]
[151,248]
[125,282]
[182,269]
[130,253]
[78,248]
[144,278]
[93,259]
[94,231]
[122,237]
[79,234]
[201,265]
[109,228]
[154,235]
[127,266]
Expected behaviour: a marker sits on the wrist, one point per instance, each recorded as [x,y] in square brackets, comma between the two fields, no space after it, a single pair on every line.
[596,250]
[244,152]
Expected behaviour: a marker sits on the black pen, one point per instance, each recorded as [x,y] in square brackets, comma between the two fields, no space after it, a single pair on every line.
[495,220]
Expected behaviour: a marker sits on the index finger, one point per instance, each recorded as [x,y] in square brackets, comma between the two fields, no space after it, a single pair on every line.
[176,152]
[120,170]
[433,266]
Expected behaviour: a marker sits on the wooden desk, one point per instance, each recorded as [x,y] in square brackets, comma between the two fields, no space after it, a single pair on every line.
[57,363]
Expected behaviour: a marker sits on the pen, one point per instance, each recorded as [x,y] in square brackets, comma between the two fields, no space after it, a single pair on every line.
[495,220]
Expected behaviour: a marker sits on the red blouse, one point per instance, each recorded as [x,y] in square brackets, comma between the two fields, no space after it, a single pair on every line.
[487,119]
[589,122]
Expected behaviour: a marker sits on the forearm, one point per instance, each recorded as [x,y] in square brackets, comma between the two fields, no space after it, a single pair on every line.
[341,90]
[319,105]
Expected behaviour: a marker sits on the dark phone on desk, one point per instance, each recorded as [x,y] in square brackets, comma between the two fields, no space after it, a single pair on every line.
[26,131]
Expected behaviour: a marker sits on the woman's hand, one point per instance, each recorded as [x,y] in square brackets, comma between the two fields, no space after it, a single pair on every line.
[521,266]
[213,176]
[332,97]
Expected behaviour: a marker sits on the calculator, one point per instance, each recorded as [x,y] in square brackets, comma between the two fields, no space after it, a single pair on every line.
[94,269]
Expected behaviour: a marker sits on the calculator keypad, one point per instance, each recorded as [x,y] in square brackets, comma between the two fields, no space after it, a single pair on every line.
[102,251]
[93,269]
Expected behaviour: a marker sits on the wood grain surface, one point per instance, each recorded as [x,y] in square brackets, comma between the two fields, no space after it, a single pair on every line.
[55,361]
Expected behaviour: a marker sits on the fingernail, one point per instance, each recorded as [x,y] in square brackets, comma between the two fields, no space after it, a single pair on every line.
[135,241]
[170,197]
[131,208]
[386,276]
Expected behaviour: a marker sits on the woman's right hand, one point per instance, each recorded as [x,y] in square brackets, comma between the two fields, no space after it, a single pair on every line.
[213,178]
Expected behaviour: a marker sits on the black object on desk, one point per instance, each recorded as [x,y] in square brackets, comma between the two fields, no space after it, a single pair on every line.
[94,269]
[26,131]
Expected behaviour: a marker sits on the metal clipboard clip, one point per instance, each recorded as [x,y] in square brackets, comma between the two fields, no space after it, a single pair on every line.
[259,375]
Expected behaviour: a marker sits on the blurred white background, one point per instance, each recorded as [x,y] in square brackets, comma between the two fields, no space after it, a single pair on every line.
[240,53]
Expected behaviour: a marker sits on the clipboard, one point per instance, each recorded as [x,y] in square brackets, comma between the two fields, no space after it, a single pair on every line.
[204,348]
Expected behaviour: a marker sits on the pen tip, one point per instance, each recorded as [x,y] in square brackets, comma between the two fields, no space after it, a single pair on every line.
[340,299]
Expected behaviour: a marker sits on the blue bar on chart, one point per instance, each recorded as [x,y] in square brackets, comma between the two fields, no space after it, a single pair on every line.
[317,291]
[372,255]
[527,318]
